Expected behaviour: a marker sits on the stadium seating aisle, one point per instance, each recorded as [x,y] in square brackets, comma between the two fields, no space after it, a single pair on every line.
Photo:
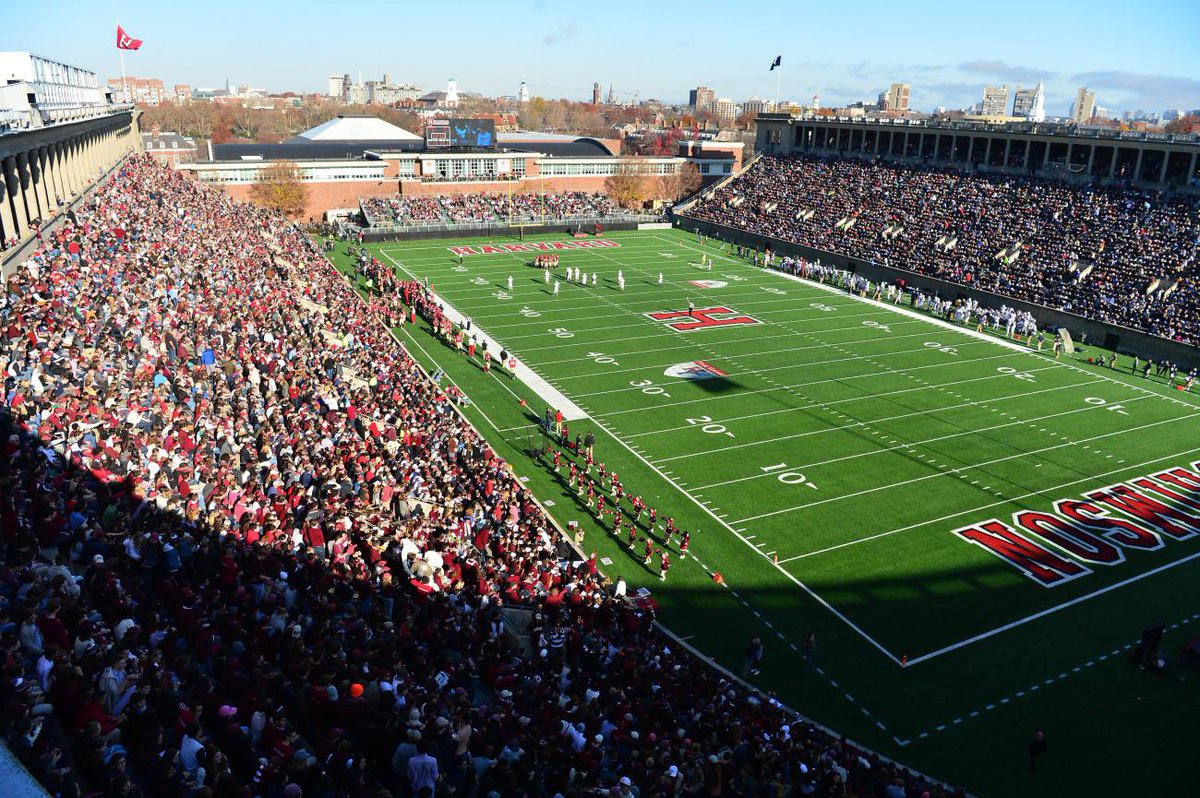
[250,551]
[465,208]
[1093,251]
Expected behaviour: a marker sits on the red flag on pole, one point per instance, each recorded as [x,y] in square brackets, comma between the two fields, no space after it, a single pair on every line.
[125,41]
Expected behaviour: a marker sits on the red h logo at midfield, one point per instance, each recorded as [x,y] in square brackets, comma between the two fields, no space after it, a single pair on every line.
[701,318]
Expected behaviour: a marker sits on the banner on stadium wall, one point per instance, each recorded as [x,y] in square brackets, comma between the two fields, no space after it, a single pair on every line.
[539,246]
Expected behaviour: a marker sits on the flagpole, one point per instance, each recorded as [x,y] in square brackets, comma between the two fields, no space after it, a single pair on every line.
[778,79]
[121,53]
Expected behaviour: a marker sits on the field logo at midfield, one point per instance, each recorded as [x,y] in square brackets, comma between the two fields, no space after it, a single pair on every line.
[708,283]
[696,370]
[701,318]
[540,246]
[1053,548]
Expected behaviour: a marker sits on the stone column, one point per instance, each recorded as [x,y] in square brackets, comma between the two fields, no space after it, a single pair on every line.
[1091,159]
[28,192]
[37,169]
[1162,174]
[1137,170]
[53,155]
[66,162]
[13,198]
[1191,175]
[8,224]
[1007,150]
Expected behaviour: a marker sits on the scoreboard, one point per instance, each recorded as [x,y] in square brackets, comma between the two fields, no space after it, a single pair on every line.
[471,134]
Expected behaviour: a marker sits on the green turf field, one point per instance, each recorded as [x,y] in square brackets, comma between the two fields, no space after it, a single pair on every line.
[824,465]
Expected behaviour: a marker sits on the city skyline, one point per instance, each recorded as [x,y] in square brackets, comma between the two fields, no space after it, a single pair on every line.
[564,54]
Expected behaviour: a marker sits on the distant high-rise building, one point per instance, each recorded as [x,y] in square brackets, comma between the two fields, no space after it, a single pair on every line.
[337,86]
[1172,114]
[756,106]
[1100,112]
[725,108]
[896,97]
[596,93]
[1085,105]
[523,93]
[995,100]
[1030,103]
[701,98]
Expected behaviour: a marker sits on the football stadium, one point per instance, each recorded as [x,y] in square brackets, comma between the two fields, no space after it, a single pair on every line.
[617,448]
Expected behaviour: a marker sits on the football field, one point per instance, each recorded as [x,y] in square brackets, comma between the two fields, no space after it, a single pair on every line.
[975,532]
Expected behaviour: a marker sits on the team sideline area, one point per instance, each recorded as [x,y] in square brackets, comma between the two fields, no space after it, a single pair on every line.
[943,537]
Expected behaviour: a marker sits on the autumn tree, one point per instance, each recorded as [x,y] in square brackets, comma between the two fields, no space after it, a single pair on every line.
[674,187]
[1184,124]
[279,188]
[628,186]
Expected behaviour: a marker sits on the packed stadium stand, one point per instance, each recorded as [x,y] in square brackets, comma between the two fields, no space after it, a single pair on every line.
[251,550]
[468,208]
[1114,254]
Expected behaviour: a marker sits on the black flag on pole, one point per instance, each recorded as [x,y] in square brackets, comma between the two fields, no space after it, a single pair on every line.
[777,62]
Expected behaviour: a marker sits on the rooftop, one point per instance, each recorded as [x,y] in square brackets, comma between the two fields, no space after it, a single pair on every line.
[345,127]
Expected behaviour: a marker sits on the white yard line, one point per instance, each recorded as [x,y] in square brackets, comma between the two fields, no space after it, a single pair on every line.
[1051,610]
[975,510]
[864,397]
[843,358]
[544,390]
[791,577]
[970,467]
[897,447]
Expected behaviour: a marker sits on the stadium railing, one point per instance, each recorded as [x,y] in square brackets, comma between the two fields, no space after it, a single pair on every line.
[474,224]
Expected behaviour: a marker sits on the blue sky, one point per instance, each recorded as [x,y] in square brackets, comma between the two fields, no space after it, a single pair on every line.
[1143,55]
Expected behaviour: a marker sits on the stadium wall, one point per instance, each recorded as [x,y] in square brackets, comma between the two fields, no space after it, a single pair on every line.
[564,227]
[1111,336]
[345,194]
[592,184]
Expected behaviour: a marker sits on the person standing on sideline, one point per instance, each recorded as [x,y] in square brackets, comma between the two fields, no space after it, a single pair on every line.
[691,309]
[510,283]
[754,655]
[589,442]
[1037,747]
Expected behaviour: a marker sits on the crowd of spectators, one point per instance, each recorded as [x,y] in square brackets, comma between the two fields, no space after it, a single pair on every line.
[467,208]
[249,549]
[1116,254]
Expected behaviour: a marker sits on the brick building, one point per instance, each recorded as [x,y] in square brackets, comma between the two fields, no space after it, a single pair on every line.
[351,157]
[168,147]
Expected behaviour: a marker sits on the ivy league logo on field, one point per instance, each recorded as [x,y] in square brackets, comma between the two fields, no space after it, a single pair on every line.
[708,283]
[696,370]
[540,246]
[701,318]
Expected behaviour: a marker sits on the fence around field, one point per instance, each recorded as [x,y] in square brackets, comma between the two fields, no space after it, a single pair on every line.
[515,222]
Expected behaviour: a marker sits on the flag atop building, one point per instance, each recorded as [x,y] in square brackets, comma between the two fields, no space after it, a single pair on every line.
[777,62]
[125,41]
